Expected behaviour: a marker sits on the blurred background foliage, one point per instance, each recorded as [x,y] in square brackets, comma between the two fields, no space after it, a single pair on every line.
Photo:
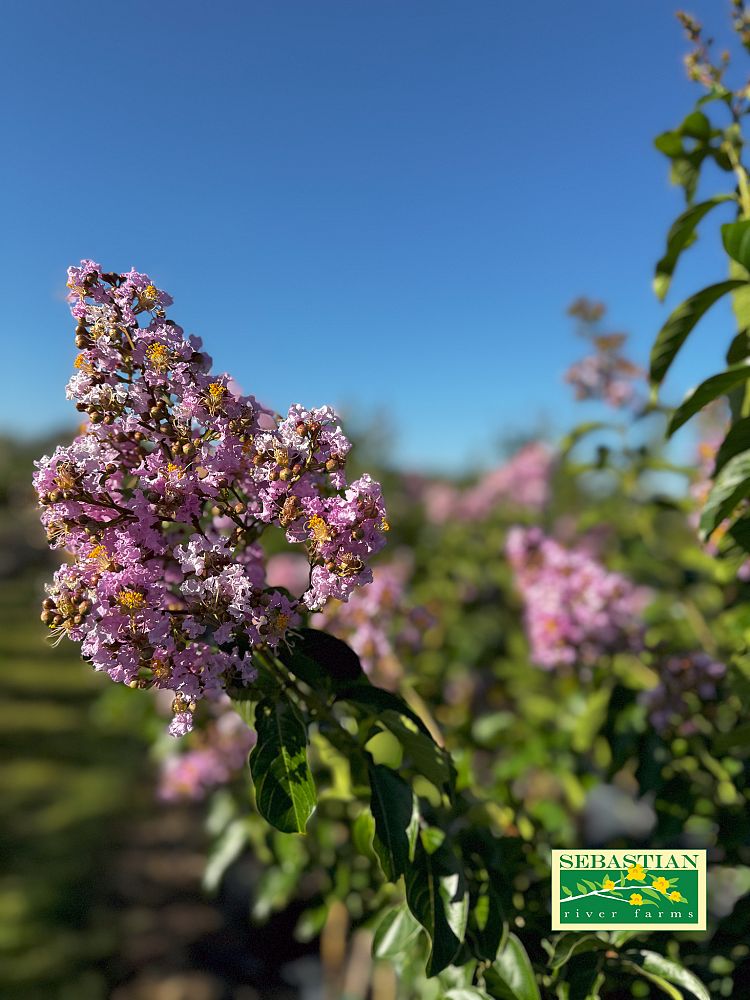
[132,878]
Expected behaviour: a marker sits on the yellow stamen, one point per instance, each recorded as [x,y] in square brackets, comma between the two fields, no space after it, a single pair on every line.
[318,529]
[159,669]
[131,600]
[150,293]
[158,355]
[215,393]
[279,621]
[384,525]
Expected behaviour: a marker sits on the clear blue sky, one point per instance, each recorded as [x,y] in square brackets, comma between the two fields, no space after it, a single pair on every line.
[386,204]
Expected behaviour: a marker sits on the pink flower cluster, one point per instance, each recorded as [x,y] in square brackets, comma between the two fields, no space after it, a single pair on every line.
[162,497]
[379,623]
[521,483]
[606,374]
[682,678]
[576,611]
[219,754]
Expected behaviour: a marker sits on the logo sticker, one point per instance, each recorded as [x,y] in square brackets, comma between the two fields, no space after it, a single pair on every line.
[628,890]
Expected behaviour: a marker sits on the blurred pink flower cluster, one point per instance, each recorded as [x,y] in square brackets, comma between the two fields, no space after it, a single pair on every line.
[379,623]
[576,610]
[522,483]
[219,753]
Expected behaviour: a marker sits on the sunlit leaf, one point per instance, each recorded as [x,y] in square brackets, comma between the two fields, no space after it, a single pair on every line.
[678,327]
[284,788]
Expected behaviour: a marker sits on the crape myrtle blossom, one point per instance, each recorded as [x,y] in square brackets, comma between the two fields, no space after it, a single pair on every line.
[606,374]
[575,610]
[523,482]
[379,623]
[218,752]
[161,499]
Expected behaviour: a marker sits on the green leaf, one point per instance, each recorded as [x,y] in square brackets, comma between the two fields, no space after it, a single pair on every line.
[736,239]
[706,392]
[428,759]
[739,532]
[395,933]
[584,977]
[363,833]
[679,237]
[486,920]
[375,700]
[467,993]
[676,330]
[571,944]
[284,788]
[736,440]
[224,852]
[511,977]
[395,811]
[730,486]
[739,348]
[656,967]
[696,126]
[669,143]
[321,660]
[437,896]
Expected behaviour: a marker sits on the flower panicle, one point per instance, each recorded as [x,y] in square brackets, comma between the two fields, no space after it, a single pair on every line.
[162,497]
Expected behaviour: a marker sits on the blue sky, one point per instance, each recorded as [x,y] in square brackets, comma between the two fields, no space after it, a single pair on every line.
[385,204]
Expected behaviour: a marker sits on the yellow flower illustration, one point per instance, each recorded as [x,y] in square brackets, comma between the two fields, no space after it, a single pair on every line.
[660,883]
[608,884]
[675,896]
[636,872]
[636,899]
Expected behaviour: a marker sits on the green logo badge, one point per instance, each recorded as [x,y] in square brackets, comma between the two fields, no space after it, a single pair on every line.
[627,890]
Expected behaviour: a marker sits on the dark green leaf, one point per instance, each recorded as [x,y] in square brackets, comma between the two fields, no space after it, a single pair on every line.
[676,330]
[730,486]
[584,977]
[375,700]
[394,809]
[486,921]
[396,932]
[739,349]
[657,967]
[679,237]
[437,896]
[320,659]
[737,440]
[511,977]
[574,944]
[736,239]
[284,789]
[707,392]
